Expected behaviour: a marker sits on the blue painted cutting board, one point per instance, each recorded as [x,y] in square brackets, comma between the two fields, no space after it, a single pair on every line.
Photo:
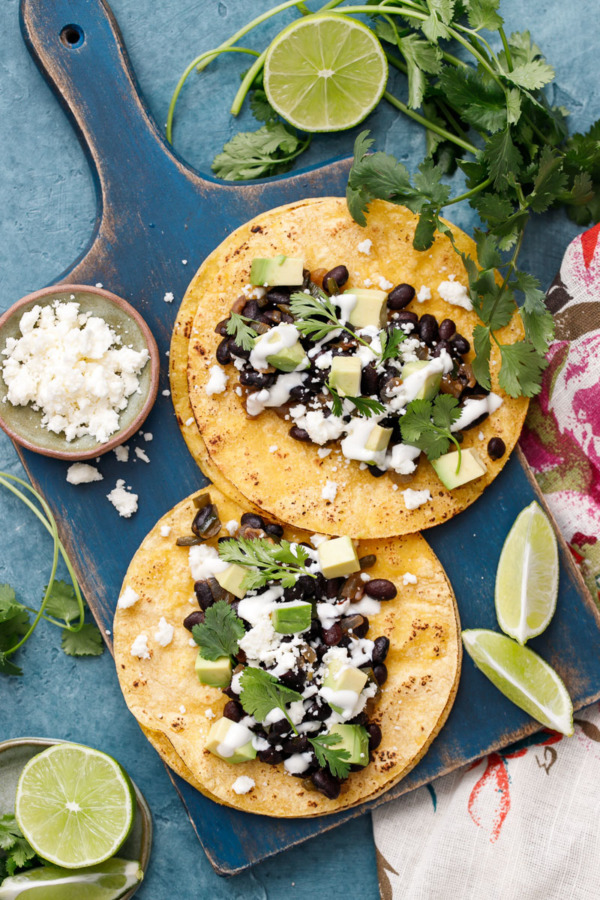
[154,212]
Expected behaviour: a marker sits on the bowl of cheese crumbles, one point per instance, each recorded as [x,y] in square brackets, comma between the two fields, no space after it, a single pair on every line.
[79,371]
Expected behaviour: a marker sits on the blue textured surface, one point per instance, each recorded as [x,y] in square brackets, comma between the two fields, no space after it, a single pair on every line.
[47,218]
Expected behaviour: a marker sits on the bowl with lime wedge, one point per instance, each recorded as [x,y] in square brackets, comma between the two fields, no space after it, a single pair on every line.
[72,823]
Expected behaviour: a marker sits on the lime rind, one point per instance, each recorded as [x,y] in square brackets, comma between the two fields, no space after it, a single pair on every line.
[75,805]
[522,676]
[107,881]
[325,73]
[527,577]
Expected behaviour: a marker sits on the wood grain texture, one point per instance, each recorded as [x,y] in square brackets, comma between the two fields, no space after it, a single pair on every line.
[154,213]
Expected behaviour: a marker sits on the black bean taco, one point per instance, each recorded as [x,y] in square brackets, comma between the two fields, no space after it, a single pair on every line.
[280,672]
[321,372]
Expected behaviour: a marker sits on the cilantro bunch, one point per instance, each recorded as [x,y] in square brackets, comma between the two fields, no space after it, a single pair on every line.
[265,561]
[15,852]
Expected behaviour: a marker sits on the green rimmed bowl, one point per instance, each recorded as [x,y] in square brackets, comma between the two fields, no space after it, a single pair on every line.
[23,423]
[16,753]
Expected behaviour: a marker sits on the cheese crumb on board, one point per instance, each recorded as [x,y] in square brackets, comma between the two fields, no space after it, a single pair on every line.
[122,453]
[82,473]
[141,454]
[123,500]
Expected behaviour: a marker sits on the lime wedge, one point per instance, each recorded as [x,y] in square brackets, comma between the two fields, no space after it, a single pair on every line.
[74,805]
[108,881]
[325,73]
[522,676]
[527,576]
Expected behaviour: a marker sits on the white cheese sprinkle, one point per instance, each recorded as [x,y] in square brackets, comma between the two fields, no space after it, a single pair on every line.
[123,500]
[165,530]
[82,473]
[243,784]
[232,526]
[273,448]
[409,578]
[329,492]
[122,453]
[128,598]
[139,647]
[141,454]
[169,297]
[414,499]
[423,294]
[455,293]
[208,712]
[148,436]
[384,284]
[182,710]
[164,633]
[166,393]
[189,421]
[217,381]
[322,452]
[365,246]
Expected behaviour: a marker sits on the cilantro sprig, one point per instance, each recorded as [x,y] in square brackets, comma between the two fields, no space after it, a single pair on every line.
[327,757]
[15,851]
[243,334]
[256,154]
[427,424]
[265,562]
[220,633]
[261,692]
[365,406]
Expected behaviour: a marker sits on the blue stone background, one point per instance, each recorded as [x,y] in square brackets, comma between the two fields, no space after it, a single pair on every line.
[47,213]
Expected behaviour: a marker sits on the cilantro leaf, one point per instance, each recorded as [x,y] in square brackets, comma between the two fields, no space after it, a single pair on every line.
[19,853]
[329,758]
[262,692]
[390,343]
[503,157]
[261,108]
[365,406]
[531,75]
[481,100]
[521,371]
[62,602]
[484,14]
[433,437]
[445,411]
[550,181]
[85,642]
[220,633]
[481,363]
[242,333]
[14,624]
[421,57]
[265,561]
[257,154]
[537,318]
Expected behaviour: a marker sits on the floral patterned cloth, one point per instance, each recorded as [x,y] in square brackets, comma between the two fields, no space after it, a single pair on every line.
[523,823]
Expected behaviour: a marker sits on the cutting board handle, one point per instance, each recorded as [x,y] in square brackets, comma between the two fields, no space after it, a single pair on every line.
[79,48]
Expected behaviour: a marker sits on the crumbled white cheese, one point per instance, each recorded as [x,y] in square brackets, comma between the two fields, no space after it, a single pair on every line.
[365,246]
[217,381]
[165,530]
[455,293]
[139,647]
[243,784]
[409,578]
[384,284]
[232,526]
[414,499]
[184,262]
[205,562]
[189,422]
[208,712]
[192,642]
[317,539]
[169,297]
[329,492]
[481,436]
[128,598]
[273,448]
[123,500]
[166,393]
[82,473]
[141,454]
[321,428]
[367,282]
[182,710]
[148,436]
[423,294]
[122,453]
[72,367]
[322,452]
[164,633]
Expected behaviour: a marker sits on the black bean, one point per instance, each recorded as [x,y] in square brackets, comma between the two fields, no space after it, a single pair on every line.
[358,625]
[279,295]
[332,587]
[221,328]
[251,309]
[304,587]
[326,784]
[203,594]
[380,589]
[339,274]
[374,732]
[447,329]
[279,728]
[400,296]
[271,757]
[376,472]
[442,345]
[299,434]
[271,317]
[314,380]
[381,649]
[381,673]
[297,744]
[292,679]
[274,529]
[318,711]
[252,378]
[223,354]
[428,329]
[252,520]
[360,719]
[460,344]
[238,351]
[387,384]
[234,711]
[369,380]
[229,692]
[194,618]
[206,522]
[496,448]
[333,635]
[405,317]
[367,562]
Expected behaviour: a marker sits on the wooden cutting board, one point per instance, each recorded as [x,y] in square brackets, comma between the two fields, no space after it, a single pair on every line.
[157,220]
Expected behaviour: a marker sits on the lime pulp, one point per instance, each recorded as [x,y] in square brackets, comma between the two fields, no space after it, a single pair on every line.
[108,881]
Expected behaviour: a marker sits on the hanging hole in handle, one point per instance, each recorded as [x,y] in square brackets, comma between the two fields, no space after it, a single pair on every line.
[72,36]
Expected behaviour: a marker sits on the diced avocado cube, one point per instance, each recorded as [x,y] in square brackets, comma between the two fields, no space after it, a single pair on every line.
[338,557]
[369,308]
[290,618]
[354,739]
[280,270]
[431,383]
[378,439]
[341,677]
[288,358]
[230,741]
[216,672]
[346,372]
[471,467]
[231,580]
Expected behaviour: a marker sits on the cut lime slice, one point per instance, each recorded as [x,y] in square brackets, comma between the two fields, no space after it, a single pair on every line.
[522,676]
[108,881]
[74,805]
[527,576]
[325,73]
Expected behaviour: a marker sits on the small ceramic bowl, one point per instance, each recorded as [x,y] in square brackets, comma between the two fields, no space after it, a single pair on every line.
[16,753]
[23,423]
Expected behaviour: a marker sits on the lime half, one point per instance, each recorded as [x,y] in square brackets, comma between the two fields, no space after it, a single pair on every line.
[108,881]
[325,73]
[522,676]
[74,805]
[527,576]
